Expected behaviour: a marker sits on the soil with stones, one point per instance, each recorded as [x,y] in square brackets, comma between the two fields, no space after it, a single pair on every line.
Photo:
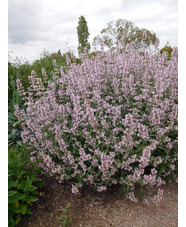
[106,209]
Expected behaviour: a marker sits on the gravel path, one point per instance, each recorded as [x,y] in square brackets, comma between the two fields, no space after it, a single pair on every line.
[106,209]
[123,213]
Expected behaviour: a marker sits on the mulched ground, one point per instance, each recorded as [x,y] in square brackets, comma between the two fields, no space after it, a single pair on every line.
[105,209]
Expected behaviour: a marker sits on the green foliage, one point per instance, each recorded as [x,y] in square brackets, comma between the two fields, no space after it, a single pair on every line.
[22,185]
[24,70]
[17,71]
[15,100]
[45,62]
[66,219]
[83,35]
[14,126]
[14,130]
[126,30]
[93,54]
[12,71]
[168,49]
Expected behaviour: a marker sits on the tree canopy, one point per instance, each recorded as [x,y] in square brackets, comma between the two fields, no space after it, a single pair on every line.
[167,48]
[126,30]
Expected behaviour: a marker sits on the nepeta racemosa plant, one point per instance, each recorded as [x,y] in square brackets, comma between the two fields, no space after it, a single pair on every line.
[110,120]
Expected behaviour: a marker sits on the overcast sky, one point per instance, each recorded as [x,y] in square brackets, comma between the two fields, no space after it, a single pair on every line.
[52,24]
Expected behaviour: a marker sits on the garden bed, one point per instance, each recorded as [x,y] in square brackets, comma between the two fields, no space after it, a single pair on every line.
[91,208]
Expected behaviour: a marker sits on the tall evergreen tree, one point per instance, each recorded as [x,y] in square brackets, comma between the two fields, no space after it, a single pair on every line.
[83,34]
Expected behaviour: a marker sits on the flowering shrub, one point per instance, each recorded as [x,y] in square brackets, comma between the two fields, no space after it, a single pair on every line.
[110,120]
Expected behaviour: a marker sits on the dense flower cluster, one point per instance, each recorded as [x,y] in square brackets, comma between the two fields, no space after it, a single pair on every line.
[110,120]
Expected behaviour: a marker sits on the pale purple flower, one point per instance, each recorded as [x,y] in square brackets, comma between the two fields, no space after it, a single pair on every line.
[132,197]
[169,146]
[74,190]
[101,188]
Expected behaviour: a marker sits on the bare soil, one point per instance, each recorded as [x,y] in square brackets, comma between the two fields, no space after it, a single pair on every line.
[106,209]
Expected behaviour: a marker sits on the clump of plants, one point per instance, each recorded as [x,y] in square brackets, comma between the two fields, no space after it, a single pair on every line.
[23,184]
[110,120]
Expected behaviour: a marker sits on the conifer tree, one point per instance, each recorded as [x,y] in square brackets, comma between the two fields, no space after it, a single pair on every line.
[83,34]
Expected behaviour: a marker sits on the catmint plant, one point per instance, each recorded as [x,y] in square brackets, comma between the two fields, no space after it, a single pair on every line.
[110,120]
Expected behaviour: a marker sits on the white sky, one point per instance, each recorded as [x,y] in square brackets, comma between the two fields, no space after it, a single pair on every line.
[51,24]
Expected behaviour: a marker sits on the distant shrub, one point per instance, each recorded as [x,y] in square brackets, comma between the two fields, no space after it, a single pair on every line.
[110,120]
[46,59]
[168,49]
[11,81]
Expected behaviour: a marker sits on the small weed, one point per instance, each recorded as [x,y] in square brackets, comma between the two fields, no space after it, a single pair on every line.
[66,219]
